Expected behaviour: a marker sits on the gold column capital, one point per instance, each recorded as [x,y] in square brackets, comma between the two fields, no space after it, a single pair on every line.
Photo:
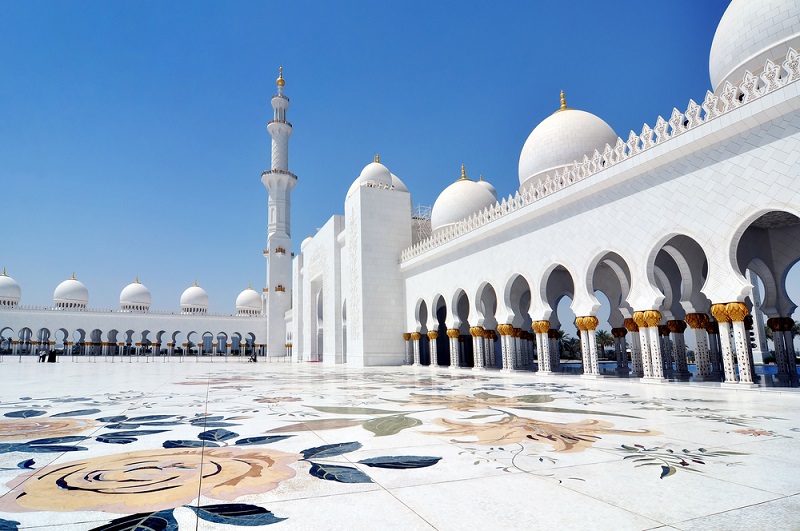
[697,320]
[406,336]
[453,333]
[737,311]
[676,326]
[476,331]
[416,336]
[652,318]
[720,312]
[630,325]
[505,329]
[433,334]
[590,322]
[540,327]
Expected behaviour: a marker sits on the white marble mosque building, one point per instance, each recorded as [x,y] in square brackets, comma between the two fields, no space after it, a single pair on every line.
[688,227]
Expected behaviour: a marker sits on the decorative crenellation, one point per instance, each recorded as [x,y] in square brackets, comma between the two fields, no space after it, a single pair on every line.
[773,77]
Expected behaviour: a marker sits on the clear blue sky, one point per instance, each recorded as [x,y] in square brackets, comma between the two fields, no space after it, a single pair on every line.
[133,134]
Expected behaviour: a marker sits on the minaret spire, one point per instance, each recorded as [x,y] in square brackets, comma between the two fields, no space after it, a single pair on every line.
[279,182]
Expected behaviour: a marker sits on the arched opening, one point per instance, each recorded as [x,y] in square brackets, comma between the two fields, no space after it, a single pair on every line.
[516,339]
[559,292]
[767,249]
[463,356]
[486,304]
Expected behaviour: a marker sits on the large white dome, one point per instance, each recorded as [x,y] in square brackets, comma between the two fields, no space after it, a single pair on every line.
[459,201]
[749,33]
[373,174]
[248,302]
[135,296]
[562,138]
[194,300]
[71,294]
[397,184]
[10,292]
[488,186]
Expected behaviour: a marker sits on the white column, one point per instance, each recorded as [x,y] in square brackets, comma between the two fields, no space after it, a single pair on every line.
[432,336]
[720,313]
[415,337]
[478,343]
[452,336]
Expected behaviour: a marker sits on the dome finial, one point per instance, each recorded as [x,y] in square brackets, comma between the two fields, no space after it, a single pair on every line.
[137,279]
[195,283]
[377,158]
[73,276]
[4,272]
[280,82]
[480,177]
[249,286]
[563,102]
[463,173]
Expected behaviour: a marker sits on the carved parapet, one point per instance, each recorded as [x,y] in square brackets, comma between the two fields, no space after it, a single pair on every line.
[540,327]
[416,336]
[407,336]
[652,318]
[638,318]
[433,334]
[697,320]
[737,311]
[676,327]
[453,333]
[505,329]
[720,313]
[631,326]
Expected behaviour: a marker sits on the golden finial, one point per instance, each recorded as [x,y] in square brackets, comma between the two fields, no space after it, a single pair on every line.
[480,177]
[249,286]
[195,283]
[137,279]
[377,158]
[563,102]
[4,272]
[280,82]
[73,276]
[463,173]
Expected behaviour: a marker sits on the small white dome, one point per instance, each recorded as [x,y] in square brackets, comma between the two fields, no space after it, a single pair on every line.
[71,294]
[373,174]
[749,33]
[135,296]
[10,292]
[248,302]
[458,201]
[562,138]
[306,242]
[488,186]
[397,184]
[194,300]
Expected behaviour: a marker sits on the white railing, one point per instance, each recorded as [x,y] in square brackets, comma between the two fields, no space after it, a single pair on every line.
[752,87]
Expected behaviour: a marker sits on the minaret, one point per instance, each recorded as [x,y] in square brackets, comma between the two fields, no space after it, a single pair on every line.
[279,181]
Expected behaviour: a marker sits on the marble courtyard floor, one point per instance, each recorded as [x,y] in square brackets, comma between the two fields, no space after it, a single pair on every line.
[179,446]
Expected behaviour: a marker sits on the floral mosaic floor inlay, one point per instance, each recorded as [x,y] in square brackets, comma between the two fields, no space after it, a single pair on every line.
[169,446]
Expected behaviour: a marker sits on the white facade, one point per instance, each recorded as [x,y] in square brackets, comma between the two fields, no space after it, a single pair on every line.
[688,227]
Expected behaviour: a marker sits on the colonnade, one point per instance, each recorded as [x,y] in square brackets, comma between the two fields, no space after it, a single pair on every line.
[657,351]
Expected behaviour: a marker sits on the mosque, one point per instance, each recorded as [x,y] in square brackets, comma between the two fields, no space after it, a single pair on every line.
[688,227]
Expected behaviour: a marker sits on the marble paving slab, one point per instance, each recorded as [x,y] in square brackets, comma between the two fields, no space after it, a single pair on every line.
[174,446]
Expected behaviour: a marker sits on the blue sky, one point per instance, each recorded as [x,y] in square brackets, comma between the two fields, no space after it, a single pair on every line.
[133,134]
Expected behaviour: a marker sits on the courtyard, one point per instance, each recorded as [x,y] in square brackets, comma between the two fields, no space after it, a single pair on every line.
[176,445]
